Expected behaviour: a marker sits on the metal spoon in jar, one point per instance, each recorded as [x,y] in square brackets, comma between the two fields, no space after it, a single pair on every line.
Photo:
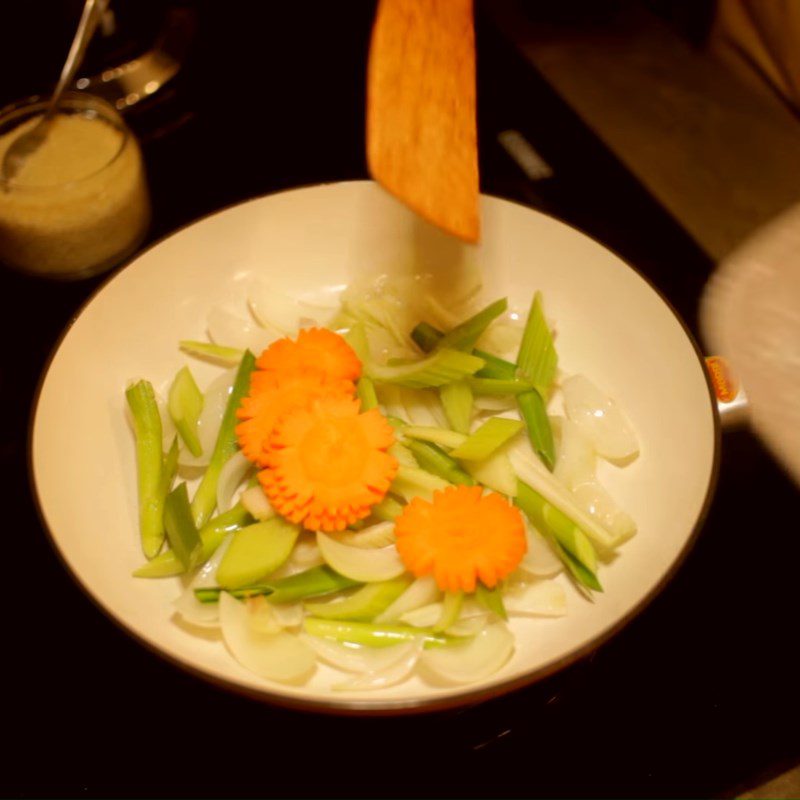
[22,147]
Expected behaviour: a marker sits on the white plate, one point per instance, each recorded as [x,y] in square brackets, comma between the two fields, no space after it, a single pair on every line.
[612,326]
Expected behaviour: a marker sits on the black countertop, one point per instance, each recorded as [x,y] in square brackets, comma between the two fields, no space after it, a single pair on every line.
[696,697]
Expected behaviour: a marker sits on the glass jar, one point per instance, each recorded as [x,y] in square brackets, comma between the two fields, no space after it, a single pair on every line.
[79,205]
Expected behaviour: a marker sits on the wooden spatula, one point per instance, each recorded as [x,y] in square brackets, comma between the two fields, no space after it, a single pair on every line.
[421,137]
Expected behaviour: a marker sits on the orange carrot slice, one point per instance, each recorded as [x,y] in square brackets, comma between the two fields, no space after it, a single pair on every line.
[460,537]
[327,463]
[272,395]
[315,349]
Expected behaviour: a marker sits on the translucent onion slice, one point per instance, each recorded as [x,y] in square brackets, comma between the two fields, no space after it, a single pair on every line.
[256,503]
[600,418]
[538,599]
[286,615]
[215,399]
[373,536]
[576,460]
[501,338]
[227,329]
[422,592]
[388,676]
[359,563]
[422,407]
[281,657]
[231,476]
[473,661]
[470,626]
[282,311]
[596,501]
[305,555]
[424,616]
[540,558]
[356,657]
[205,615]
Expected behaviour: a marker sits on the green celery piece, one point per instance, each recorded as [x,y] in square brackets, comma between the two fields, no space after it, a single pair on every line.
[495,473]
[369,634]
[464,335]
[533,411]
[169,467]
[167,564]
[229,356]
[210,594]
[578,571]
[315,582]
[491,599]
[388,509]
[440,436]
[456,400]
[205,498]
[434,460]
[182,533]
[537,358]
[256,551]
[149,461]
[419,479]
[557,526]
[427,337]
[364,604]
[443,366]
[496,386]
[491,436]
[185,404]
[366,393]
[451,608]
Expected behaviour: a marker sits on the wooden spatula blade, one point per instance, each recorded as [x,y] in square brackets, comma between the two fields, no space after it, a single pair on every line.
[421,130]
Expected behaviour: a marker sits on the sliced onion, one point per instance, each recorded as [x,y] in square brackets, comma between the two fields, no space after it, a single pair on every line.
[233,472]
[379,535]
[502,338]
[205,615]
[305,555]
[284,311]
[422,407]
[473,661]
[356,657]
[422,592]
[229,330]
[424,616]
[266,617]
[494,402]
[214,401]
[288,615]
[600,418]
[389,675]
[256,503]
[279,656]
[537,599]
[540,559]
[361,564]
[576,460]
[469,626]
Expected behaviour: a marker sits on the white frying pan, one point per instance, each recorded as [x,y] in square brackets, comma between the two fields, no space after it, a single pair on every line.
[612,326]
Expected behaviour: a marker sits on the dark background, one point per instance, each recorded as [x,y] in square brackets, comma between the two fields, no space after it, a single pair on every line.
[697,697]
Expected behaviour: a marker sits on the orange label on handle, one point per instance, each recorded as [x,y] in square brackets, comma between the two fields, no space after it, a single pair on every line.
[726,387]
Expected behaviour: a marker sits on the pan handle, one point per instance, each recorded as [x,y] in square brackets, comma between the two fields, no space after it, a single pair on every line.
[732,402]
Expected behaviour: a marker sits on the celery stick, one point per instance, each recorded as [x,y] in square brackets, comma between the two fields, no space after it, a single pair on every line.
[427,337]
[229,356]
[387,510]
[315,582]
[210,594]
[363,605]
[440,436]
[491,436]
[169,467]
[436,461]
[205,498]
[181,531]
[167,564]
[533,411]
[149,460]
[185,404]
[366,393]
[456,400]
[464,335]
[558,527]
[256,551]
[368,634]
[578,571]
[451,608]
[537,359]
[495,386]
[420,478]
[441,367]
[491,599]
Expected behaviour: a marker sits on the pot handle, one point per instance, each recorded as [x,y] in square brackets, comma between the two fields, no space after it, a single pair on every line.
[732,402]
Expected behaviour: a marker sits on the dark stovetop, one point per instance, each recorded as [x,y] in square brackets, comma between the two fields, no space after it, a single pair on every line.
[696,697]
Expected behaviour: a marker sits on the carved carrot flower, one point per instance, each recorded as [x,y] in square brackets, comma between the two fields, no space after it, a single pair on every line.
[327,463]
[460,537]
[316,349]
